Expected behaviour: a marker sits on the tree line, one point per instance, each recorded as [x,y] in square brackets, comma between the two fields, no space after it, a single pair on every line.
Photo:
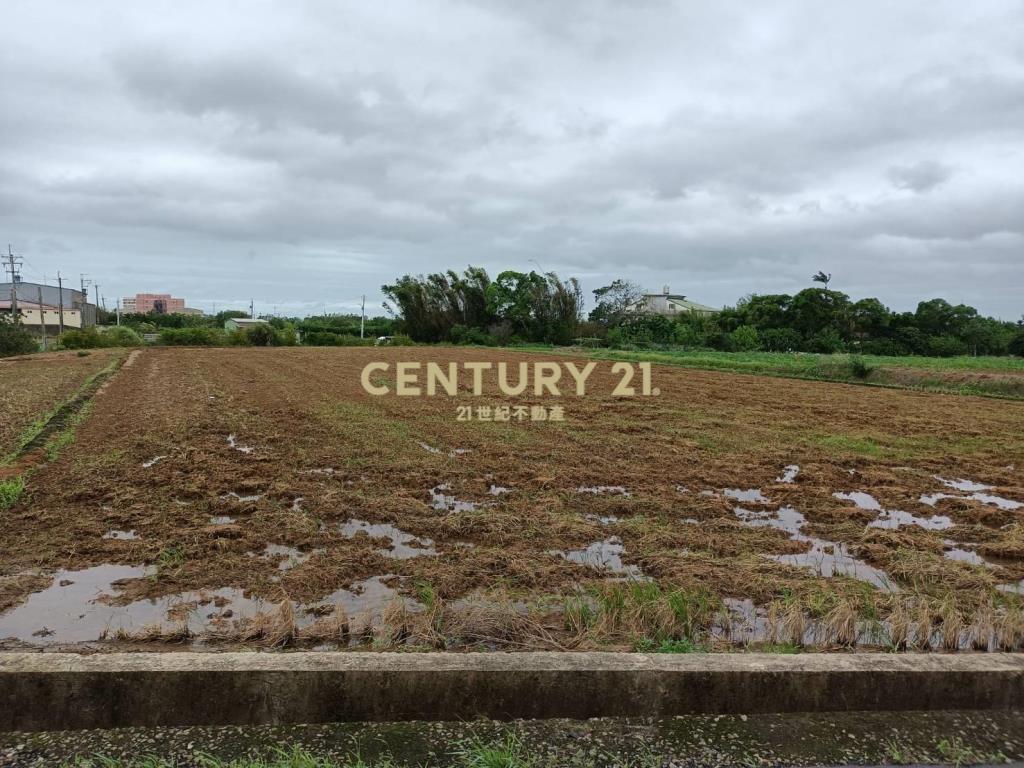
[531,307]
[814,320]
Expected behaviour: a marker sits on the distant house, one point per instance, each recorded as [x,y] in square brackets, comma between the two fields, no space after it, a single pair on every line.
[234,323]
[670,305]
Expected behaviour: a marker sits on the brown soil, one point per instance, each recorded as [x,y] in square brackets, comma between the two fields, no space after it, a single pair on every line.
[33,385]
[317,436]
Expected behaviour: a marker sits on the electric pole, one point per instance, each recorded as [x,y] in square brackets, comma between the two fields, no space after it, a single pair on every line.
[12,267]
[60,303]
[119,312]
[42,316]
[252,310]
[362,316]
[96,287]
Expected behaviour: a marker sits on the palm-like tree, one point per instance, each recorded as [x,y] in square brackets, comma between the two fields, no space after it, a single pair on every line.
[822,278]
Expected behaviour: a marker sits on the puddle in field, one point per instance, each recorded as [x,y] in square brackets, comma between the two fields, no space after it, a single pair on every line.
[370,596]
[963,485]
[297,503]
[77,607]
[601,489]
[893,518]
[403,545]
[121,535]
[321,471]
[751,494]
[975,491]
[691,521]
[241,498]
[861,500]
[606,555]
[453,452]
[784,519]
[603,519]
[290,557]
[789,474]
[961,555]
[233,442]
[498,490]
[221,520]
[447,502]
[154,460]
[827,558]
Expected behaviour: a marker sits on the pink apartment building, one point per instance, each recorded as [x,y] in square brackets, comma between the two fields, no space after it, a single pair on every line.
[144,303]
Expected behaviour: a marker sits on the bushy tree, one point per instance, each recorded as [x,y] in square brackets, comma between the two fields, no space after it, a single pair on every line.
[615,301]
[744,339]
[15,338]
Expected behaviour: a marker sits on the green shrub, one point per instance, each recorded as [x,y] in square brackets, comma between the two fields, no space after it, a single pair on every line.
[744,339]
[781,340]
[860,368]
[193,337]
[120,336]
[10,491]
[460,334]
[15,338]
[330,339]
[81,338]
[946,346]
[260,335]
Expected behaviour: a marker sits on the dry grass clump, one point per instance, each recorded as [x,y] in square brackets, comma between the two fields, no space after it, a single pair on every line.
[934,574]
[492,620]
[152,633]
[1009,544]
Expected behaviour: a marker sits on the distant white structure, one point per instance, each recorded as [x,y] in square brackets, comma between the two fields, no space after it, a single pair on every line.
[670,304]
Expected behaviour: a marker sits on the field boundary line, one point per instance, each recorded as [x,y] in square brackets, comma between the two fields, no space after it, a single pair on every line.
[62,691]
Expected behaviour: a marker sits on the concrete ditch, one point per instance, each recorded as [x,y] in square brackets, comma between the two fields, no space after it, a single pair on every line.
[59,691]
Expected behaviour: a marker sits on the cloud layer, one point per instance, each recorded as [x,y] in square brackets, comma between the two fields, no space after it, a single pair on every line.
[303,153]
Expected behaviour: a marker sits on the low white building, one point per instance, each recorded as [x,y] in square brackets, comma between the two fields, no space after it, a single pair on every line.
[234,323]
[32,315]
[670,305]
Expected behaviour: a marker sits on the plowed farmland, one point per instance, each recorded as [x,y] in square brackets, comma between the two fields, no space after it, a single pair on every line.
[31,387]
[261,497]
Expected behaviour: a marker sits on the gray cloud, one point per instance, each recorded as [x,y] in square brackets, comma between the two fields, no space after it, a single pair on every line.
[919,177]
[305,153]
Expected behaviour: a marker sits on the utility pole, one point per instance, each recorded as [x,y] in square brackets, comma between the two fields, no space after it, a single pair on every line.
[119,312]
[12,267]
[97,292]
[60,303]
[362,316]
[252,310]
[42,317]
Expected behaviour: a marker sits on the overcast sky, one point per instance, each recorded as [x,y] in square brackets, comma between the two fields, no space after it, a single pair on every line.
[303,153]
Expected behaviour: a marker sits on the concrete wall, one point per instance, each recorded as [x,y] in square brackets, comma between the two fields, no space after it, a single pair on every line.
[49,691]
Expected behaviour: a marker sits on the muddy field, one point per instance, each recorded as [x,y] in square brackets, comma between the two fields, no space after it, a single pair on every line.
[33,386]
[223,497]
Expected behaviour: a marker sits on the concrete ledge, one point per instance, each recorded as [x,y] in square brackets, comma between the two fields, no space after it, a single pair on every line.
[56,691]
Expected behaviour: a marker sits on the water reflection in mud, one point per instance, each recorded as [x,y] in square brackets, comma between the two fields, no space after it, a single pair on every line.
[403,545]
[605,555]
